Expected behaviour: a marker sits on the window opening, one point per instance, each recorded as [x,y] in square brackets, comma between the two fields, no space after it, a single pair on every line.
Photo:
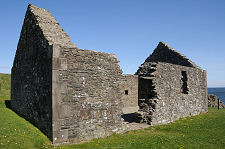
[126,92]
[184,80]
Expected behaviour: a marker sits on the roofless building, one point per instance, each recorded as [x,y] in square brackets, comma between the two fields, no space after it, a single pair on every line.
[74,95]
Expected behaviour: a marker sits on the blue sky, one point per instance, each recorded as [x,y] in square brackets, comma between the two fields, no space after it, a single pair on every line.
[131,29]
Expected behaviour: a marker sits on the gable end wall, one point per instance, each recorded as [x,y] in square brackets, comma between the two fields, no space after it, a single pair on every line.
[31,76]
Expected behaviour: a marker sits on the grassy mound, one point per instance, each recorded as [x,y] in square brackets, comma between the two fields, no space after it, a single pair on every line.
[202,131]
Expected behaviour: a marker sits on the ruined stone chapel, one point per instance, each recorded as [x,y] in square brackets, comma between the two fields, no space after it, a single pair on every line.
[74,95]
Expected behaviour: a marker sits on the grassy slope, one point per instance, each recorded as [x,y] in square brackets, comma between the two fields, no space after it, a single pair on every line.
[202,131]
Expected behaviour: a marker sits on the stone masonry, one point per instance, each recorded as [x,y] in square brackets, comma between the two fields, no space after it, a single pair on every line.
[74,95]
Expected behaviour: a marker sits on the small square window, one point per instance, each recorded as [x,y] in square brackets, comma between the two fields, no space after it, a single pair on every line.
[126,92]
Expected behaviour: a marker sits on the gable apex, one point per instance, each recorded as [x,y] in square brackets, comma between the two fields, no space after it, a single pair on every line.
[164,53]
[51,29]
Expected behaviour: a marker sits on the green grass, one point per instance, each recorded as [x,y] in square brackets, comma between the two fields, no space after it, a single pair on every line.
[5,81]
[202,131]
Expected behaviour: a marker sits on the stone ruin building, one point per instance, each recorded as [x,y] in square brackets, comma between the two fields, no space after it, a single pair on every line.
[170,86]
[74,95]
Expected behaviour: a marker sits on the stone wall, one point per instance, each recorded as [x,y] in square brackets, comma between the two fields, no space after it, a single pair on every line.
[31,76]
[172,103]
[86,95]
[129,89]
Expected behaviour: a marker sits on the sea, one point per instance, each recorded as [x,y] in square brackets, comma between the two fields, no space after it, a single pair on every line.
[219,92]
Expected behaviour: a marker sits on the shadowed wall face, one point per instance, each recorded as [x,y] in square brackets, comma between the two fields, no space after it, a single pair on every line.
[31,95]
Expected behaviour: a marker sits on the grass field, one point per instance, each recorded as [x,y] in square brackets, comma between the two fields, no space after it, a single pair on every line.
[202,131]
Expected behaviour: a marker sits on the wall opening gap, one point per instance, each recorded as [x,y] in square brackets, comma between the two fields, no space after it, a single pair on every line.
[146,91]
